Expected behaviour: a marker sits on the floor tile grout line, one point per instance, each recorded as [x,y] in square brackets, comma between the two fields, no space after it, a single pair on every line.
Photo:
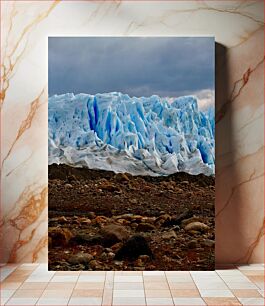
[236,282]
[203,298]
[15,290]
[73,288]
[145,298]
[169,289]
[112,295]
[112,289]
[231,289]
[68,299]
[10,297]
[226,286]
[113,286]
[13,271]
[104,289]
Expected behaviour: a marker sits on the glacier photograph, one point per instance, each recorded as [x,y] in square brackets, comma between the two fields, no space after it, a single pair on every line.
[131,153]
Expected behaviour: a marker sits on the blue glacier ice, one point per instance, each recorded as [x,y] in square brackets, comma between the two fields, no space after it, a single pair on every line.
[147,135]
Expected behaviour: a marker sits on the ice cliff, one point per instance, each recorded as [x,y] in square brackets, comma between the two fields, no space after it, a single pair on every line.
[116,132]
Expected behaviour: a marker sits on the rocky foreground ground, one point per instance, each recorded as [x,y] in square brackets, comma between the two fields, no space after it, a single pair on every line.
[99,220]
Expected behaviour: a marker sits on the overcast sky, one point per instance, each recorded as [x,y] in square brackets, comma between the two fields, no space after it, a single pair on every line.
[168,67]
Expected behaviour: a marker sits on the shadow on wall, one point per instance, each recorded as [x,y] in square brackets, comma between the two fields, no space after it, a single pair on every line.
[225,146]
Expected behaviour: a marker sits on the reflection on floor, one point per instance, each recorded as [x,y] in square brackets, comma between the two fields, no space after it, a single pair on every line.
[33,284]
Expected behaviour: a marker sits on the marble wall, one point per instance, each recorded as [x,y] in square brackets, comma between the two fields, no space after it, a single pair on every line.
[238,27]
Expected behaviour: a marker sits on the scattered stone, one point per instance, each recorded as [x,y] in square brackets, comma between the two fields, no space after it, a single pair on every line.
[68,186]
[91,215]
[189,220]
[121,177]
[148,219]
[137,218]
[85,221]
[111,255]
[185,183]
[135,246]
[116,246]
[61,219]
[124,222]
[168,207]
[144,258]
[192,244]
[106,186]
[103,256]
[113,233]
[72,178]
[101,220]
[146,188]
[175,228]
[95,265]
[86,239]
[163,220]
[80,258]
[134,225]
[139,263]
[169,235]
[197,226]
[76,221]
[176,220]
[124,216]
[208,242]
[59,236]
[210,205]
[118,263]
[145,227]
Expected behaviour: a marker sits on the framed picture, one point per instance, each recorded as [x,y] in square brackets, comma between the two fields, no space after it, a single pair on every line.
[131,153]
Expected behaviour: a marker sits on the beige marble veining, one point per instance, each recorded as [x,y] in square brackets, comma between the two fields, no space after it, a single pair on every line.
[238,27]
[240,153]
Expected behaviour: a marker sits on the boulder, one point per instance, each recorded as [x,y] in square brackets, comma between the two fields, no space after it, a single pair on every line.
[86,239]
[80,258]
[163,220]
[133,248]
[113,233]
[168,235]
[197,226]
[145,227]
[59,236]
[189,220]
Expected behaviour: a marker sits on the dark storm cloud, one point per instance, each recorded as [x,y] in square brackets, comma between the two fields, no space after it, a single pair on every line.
[136,66]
